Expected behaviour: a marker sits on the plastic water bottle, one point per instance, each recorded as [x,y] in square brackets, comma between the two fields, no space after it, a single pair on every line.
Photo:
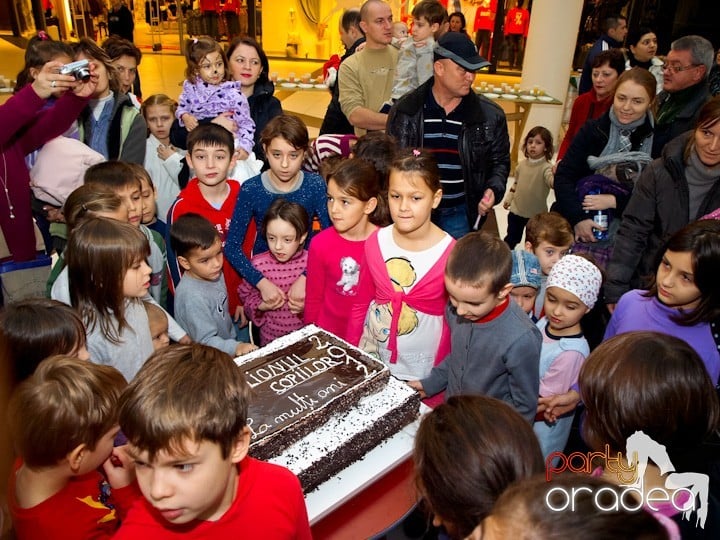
[601,219]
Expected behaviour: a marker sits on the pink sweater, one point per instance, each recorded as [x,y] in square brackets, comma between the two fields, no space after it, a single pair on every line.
[333,273]
[279,322]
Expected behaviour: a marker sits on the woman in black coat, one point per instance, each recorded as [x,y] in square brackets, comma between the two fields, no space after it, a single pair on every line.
[588,178]
[249,65]
[680,187]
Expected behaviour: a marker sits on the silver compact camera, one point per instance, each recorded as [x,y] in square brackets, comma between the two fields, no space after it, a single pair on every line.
[80,70]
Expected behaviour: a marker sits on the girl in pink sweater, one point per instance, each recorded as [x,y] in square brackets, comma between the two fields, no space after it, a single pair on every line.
[285,227]
[337,254]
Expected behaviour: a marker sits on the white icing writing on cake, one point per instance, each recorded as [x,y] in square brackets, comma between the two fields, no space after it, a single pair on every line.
[293,370]
[303,403]
[254,433]
[334,387]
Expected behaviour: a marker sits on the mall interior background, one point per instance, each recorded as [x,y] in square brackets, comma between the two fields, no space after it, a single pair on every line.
[307,29]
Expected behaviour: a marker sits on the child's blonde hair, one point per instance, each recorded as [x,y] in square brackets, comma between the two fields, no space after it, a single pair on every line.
[198,48]
[160,100]
[67,402]
[100,251]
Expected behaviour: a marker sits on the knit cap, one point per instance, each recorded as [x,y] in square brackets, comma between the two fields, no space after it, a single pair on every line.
[526,270]
[578,276]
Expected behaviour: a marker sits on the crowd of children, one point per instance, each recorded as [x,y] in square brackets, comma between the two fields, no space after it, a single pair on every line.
[151,439]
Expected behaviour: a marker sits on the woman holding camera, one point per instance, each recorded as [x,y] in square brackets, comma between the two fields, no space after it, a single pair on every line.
[110,124]
[27,124]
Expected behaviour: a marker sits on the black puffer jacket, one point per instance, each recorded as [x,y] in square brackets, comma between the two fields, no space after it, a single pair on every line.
[264,106]
[484,143]
[658,208]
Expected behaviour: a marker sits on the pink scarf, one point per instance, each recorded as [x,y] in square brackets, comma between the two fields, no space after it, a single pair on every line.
[427,296]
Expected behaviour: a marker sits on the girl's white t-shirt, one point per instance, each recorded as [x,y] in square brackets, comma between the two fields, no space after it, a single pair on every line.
[418,333]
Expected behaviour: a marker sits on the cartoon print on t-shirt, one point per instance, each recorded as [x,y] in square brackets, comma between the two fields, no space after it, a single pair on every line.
[379,317]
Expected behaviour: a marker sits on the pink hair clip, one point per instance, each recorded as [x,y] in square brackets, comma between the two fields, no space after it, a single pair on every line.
[416,152]
[43,35]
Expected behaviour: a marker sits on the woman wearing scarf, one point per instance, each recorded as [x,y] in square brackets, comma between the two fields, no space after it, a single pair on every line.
[599,169]
[679,187]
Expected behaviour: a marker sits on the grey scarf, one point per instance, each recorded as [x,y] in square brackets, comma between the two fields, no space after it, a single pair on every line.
[614,143]
[700,180]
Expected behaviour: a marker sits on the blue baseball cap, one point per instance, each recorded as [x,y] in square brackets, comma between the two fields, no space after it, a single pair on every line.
[526,270]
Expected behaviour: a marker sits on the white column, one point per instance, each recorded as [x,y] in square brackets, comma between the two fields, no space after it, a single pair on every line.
[548,58]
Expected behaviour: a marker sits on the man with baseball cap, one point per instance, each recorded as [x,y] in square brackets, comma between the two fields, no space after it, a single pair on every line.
[466,132]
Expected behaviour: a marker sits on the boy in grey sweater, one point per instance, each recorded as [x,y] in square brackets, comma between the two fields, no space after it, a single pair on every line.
[201,297]
[495,346]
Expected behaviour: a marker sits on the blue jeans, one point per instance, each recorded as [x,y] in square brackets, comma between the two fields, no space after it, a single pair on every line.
[452,220]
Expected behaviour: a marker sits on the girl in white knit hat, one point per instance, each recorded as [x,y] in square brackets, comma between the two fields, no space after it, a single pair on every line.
[572,290]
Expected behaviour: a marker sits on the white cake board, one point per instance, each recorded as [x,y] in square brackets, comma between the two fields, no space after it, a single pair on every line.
[347,483]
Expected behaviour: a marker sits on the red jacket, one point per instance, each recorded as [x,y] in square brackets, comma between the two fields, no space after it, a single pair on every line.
[191,200]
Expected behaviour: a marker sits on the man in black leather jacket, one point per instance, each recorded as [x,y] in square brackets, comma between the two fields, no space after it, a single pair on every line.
[467,134]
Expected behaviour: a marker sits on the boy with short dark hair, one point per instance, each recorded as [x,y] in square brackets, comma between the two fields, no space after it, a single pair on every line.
[549,236]
[63,421]
[201,297]
[211,194]
[495,346]
[185,417]
[125,180]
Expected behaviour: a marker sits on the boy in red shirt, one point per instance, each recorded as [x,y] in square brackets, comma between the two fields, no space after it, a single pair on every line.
[212,195]
[63,421]
[185,417]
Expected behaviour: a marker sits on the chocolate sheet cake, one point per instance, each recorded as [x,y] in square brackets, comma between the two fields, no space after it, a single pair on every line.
[319,404]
